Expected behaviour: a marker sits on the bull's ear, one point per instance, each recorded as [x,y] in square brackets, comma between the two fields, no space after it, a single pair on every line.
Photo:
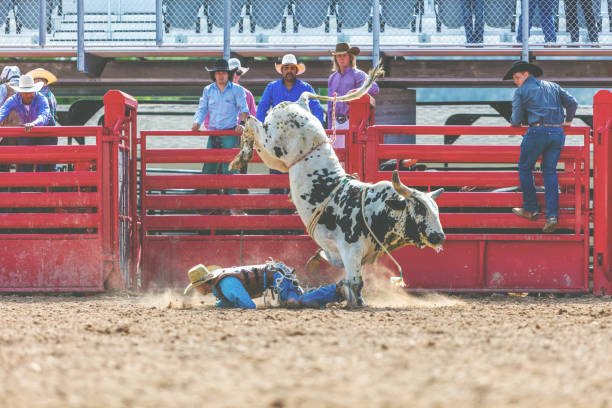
[394,204]
[436,194]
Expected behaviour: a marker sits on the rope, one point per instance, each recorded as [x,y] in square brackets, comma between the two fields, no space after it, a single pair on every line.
[316,215]
[398,280]
[333,138]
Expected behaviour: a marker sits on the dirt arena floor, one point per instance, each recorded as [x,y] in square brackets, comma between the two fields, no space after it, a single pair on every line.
[160,350]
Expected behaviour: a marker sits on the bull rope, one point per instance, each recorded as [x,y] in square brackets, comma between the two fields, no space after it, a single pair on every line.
[333,138]
[316,215]
[399,281]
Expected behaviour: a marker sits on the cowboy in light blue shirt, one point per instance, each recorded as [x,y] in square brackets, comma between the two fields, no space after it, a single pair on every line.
[223,101]
[289,89]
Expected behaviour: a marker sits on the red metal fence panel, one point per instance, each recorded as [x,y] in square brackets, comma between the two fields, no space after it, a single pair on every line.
[69,230]
[602,194]
[183,226]
[487,248]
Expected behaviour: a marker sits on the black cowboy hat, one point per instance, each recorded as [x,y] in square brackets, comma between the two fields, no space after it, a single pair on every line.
[344,47]
[220,65]
[522,66]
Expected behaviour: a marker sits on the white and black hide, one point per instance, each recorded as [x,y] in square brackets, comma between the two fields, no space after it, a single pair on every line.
[293,140]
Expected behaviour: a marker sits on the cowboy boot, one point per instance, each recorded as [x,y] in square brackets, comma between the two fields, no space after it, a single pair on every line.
[551,224]
[521,212]
[285,289]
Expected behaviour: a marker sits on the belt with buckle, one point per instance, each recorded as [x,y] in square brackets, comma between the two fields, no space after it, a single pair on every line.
[341,118]
[539,124]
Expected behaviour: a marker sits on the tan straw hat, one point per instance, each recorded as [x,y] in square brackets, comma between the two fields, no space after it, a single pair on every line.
[199,275]
[26,84]
[41,73]
[289,59]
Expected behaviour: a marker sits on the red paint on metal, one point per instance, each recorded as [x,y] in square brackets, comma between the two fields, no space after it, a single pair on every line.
[62,233]
[602,194]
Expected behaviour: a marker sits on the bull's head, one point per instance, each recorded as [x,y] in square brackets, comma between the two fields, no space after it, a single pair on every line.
[419,215]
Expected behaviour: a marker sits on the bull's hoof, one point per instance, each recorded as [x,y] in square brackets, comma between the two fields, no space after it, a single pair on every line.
[352,294]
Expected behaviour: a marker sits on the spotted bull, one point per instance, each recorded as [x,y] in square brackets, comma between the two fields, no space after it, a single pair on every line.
[334,206]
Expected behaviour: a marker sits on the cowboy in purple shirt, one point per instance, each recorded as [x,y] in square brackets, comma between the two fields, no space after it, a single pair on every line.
[345,78]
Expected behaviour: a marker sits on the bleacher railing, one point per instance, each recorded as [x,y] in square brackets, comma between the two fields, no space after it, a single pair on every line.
[306,23]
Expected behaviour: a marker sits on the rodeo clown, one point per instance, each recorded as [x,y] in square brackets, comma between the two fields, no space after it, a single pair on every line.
[236,286]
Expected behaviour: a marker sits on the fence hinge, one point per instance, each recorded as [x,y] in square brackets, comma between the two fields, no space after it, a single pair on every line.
[600,259]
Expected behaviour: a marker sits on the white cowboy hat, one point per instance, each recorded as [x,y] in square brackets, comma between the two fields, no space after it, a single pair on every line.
[234,64]
[289,59]
[26,84]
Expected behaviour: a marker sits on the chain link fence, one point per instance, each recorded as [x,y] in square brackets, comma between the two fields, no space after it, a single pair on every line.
[310,22]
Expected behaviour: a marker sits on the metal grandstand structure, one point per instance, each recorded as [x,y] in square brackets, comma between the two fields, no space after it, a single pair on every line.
[265,25]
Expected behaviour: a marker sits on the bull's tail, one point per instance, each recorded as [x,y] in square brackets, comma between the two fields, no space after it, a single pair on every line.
[374,73]
[246,145]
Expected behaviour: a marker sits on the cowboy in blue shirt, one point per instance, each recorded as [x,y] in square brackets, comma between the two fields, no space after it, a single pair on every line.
[31,107]
[288,88]
[223,101]
[235,287]
[541,104]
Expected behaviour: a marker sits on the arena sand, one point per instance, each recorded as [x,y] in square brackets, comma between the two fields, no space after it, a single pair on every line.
[432,350]
[160,350]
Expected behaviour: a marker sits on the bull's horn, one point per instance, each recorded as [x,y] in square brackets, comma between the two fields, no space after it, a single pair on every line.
[435,194]
[401,189]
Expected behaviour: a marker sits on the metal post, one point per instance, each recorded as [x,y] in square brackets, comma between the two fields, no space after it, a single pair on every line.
[109,34]
[42,26]
[375,32]
[525,33]
[159,20]
[80,37]
[226,29]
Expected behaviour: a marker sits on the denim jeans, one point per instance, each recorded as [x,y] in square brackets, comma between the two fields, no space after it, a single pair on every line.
[547,19]
[220,142]
[546,142]
[473,29]
[571,19]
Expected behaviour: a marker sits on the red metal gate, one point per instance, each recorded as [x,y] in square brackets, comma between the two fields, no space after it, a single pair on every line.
[487,248]
[58,230]
[183,226]
[602,194]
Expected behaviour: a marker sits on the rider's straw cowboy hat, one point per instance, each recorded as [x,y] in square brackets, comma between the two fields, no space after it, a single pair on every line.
[523,66]
[344,48]
[26,84]
[289,59]
[41,73]
[199,275]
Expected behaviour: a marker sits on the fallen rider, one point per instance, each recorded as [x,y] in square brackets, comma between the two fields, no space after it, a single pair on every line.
[238,285]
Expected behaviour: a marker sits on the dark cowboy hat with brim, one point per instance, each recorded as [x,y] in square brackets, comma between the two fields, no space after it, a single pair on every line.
[523,66]
[220,65]
[344,47]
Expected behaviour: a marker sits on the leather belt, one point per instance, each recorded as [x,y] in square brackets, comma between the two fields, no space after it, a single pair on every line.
[341,118]
[539,124]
